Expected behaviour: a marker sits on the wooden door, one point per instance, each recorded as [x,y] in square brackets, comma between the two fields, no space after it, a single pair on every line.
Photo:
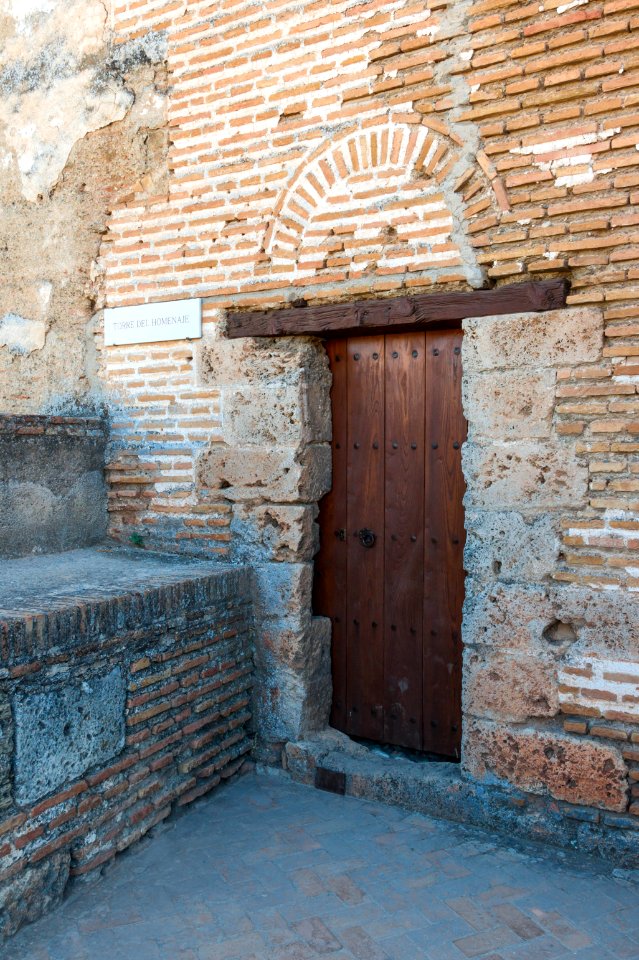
[389,573]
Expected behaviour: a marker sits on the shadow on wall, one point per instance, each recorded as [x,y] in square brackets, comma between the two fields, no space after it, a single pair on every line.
[52,487]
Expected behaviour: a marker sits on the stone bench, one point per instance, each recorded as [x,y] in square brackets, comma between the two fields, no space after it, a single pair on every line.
[125,685]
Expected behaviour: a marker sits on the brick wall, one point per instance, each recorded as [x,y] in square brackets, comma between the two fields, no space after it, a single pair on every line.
[379,147]
[550,676]
[160,677]
[327,152]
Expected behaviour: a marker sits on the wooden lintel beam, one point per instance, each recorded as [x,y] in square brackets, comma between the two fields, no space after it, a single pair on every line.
[341,319]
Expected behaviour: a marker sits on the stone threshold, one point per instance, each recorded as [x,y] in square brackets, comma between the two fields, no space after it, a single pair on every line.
[332,761]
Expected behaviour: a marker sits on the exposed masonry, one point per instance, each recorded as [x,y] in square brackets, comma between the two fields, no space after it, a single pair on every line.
[414,171]
[125,686]
[602,687]
[254,107]
[301,143]
[282,153]
[81,126]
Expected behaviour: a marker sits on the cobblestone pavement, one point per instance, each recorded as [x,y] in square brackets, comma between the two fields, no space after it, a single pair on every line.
[268,870]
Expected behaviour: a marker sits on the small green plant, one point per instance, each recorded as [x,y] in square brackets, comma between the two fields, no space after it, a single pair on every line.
[136,540]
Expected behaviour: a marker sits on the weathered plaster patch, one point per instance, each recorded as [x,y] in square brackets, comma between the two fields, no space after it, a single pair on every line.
[62,83]
[53,91]
[23,10]
[21,335]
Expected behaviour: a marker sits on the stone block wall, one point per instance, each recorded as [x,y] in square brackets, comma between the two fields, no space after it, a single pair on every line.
[551,670]
[52,486]
[115,711]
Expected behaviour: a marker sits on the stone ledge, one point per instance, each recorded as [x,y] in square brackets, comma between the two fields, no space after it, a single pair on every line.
[440,790]
[53,603]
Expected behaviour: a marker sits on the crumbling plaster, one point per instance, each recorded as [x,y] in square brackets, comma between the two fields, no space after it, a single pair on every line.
[82,127]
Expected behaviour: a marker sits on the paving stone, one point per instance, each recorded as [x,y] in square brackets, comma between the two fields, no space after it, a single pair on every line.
[270,870]
[478,943]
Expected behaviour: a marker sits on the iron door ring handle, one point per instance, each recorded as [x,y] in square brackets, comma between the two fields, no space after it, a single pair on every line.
[367,538]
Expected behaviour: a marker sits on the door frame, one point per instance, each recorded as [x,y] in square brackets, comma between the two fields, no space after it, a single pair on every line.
[308,698]
[403,313]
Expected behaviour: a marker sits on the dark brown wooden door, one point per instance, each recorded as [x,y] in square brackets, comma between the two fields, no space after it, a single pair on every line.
[389,573]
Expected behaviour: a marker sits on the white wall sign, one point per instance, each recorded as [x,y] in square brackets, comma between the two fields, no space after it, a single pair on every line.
[152,322]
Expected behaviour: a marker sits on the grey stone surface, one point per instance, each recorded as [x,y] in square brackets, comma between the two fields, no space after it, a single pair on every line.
[35,891]
[505,687]
[511,545]
[34,519]
[536,473]
[445,790]
[270,870]
[293,696]
[52,486]
[62,732]
[283,589]
[515,616]
[6,746]
[34,584]
[274,475]
[283,531]
[513,404]
[277,413]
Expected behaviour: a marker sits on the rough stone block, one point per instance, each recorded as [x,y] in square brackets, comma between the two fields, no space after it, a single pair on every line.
[255,361]
[510,617]
[277,413]
[62,732]
[302,647]
[501,687]
[52,488]
[283,589]
[552,339]
[539,474]
[33,892]
[6,747]
[293,701]
[511,546]
[542,762]
[521,617]
[280,475]
[275,530]
[509,405]
[605,621]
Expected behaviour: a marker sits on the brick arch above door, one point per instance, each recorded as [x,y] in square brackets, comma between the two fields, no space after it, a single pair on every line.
[387,199]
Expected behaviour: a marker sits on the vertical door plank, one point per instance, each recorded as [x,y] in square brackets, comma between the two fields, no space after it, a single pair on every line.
[365,510]
[330,585]
[404,540]
[444,535]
